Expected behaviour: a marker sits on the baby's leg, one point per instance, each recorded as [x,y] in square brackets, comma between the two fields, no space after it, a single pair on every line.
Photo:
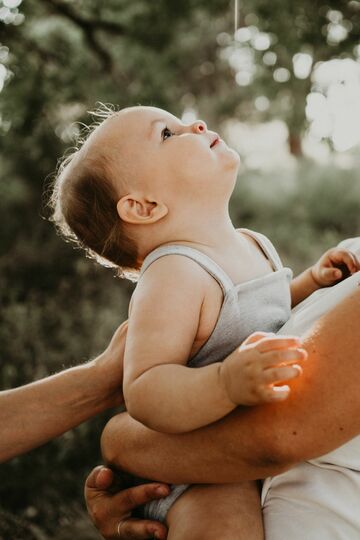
[214,512]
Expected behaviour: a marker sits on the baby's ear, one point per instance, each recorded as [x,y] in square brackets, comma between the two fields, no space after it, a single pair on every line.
[139,210]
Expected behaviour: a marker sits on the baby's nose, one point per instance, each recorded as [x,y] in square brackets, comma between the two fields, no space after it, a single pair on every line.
[199,126]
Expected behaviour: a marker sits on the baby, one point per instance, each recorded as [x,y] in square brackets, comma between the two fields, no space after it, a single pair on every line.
[149,196]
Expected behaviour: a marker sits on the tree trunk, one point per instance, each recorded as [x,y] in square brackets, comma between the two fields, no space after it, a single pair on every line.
[295,147]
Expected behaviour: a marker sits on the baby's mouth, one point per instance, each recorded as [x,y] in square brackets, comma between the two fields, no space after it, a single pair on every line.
[215,141]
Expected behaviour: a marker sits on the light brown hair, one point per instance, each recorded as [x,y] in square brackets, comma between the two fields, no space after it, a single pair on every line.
[83,203]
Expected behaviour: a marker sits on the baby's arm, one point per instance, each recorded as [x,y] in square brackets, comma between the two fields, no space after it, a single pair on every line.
[164,394]
[335,265]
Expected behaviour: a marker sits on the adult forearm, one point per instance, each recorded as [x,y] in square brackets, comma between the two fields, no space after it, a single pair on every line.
[322,412]
[221,452]
[33,414]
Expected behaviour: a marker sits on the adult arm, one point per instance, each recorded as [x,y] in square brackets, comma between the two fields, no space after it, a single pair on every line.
[33,414]
[322,412]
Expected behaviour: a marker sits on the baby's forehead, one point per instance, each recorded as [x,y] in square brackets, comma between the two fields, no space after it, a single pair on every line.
[134,121]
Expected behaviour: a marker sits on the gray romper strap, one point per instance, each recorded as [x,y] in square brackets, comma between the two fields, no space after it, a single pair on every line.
[267,247]
[203,260]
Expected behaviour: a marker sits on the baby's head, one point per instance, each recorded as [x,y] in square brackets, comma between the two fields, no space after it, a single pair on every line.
[141,179]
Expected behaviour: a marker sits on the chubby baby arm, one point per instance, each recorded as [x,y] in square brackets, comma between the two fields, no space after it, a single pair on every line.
[159,390]
[165,395]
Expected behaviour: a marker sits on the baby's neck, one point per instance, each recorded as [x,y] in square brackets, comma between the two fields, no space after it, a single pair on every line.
[212,235]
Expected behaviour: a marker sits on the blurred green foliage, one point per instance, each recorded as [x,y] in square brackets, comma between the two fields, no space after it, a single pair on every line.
[57,308]
[321,30]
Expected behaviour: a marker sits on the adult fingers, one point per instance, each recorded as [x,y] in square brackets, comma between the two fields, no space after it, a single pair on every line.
[100,478]
[121,329]
[108,512]
[118,338]
[136,529]
[128,499]
[104,479]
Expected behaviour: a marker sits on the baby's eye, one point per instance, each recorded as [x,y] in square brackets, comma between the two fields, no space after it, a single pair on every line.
[165,133]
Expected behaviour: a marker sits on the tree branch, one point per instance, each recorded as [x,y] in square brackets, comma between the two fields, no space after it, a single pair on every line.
[83,22]
[89,28]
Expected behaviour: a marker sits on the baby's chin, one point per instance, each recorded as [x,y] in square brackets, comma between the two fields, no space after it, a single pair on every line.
[233,159]
[236,156]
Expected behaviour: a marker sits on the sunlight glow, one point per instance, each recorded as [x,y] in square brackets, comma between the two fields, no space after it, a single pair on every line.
[12,3]
[333,107]
[261,41]
[336,33]
[302,63]
[261,146]
[3,76]
[262,103]
[189,115]
[281,75]
[269,58]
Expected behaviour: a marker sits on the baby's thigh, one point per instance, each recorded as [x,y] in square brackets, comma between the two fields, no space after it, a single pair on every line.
[213,512]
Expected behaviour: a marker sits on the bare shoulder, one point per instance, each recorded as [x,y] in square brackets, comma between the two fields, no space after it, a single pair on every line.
[166,310]
[171,278]
[174,267]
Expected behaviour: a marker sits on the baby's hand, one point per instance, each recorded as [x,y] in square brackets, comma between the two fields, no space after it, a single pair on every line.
[253,371]
[334,265]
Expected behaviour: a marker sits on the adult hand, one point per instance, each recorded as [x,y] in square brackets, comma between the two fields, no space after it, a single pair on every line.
[111,513]
[33,414]
[109,365]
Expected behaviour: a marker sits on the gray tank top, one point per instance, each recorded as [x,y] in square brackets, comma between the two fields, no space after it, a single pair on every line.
[261,304]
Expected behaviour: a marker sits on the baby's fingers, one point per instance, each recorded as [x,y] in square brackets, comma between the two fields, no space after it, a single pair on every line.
[352,262]
[270,389]
[275,393]
[349,259]
[283,357]
[275,342]
[255,337]
[281,374]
